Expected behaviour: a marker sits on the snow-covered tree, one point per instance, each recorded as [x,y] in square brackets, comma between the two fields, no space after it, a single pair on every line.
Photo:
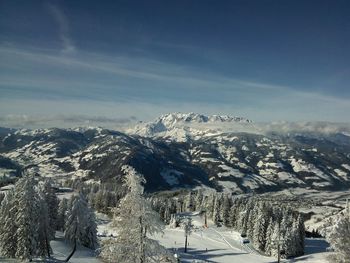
[26,217]
[339,238]
[49,195]
[24,222]
[133,220]
[198,201]
[8,244]
[216,211]
[44,233]
[188,227]
[260,228]
[61,214]
[274,239]
[225,210]
[80,226]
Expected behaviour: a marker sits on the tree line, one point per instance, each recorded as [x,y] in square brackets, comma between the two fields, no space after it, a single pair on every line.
[30,214]
[263,222]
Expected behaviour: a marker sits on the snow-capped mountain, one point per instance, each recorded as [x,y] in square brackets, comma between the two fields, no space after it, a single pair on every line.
[212,156]
[182,126]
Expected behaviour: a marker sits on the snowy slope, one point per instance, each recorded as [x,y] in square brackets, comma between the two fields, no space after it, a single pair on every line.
[183,151]
[222,245]
[183,126]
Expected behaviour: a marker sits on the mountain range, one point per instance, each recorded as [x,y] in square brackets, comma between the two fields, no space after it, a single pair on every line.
[184,151]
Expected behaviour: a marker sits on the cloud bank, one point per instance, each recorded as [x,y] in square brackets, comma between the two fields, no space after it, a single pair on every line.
[63,121]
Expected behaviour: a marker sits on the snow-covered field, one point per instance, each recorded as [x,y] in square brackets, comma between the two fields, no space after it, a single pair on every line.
[222,245]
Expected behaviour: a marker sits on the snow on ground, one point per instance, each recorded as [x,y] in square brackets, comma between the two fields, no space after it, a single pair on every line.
[302,166]
[171,176]
[346,166]
[223,245]
[229,171]
[212,244]
[61,250]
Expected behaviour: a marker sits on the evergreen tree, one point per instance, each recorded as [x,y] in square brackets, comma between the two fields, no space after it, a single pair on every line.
[49,196]
[44,234]
[339,238]
[8,244]
[216,211]
[134,220]
[187,226]
[80,226]
[225,210]
[26,218]
[260,228]
[61,214]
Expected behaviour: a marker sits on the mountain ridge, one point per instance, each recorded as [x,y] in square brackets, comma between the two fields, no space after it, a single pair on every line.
[239,162]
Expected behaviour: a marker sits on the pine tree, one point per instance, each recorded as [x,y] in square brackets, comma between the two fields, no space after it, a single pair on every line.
[26,218]
[80,226]
[269,245]
[187,226]
[260,228]
[134,220]
[299,225]
[216,211]
[225,210]
[233,214]
[8,244]
[198,201]
[44,236]
[339,238]
[61,215]
[49,195]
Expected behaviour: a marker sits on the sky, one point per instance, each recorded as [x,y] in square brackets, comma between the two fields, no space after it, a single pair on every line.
[126,60]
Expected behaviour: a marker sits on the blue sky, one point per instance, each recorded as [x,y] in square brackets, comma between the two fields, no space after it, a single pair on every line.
[265,60]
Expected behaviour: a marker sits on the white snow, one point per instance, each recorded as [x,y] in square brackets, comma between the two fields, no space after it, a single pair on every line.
[229,186]
[223,245]
[6,172]
[301,166]
[284,176]
[245,148]
[171,176]
[340,173]
[61,249]
[229,171]
[346,166]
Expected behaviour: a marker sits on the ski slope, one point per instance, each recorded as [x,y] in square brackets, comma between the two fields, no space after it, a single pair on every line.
[222,245]
[212,244]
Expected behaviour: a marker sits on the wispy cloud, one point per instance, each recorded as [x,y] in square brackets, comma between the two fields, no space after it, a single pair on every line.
[145,88]
[65,121]
[64,28]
